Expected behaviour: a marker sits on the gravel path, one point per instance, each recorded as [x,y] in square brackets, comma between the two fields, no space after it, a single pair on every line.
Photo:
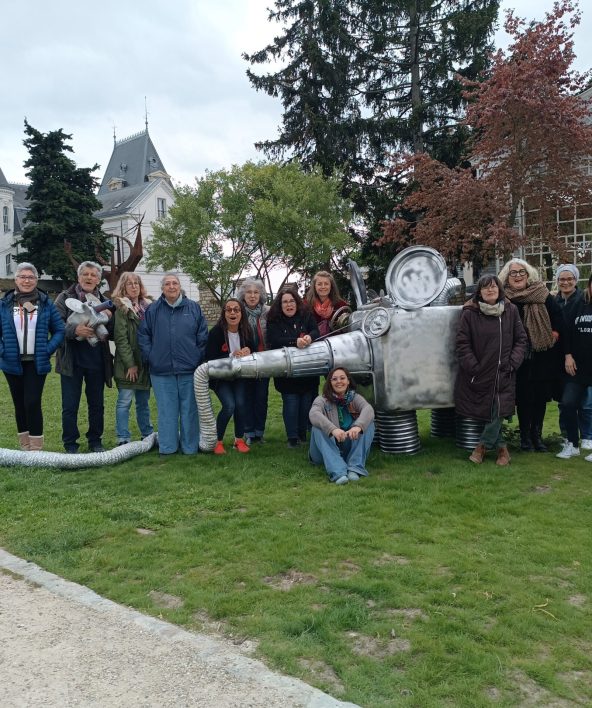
[64,645]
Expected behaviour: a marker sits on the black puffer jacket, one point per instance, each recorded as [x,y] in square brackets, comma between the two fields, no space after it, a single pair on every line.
[489,350]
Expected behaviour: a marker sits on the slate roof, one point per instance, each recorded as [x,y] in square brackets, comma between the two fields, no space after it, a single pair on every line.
[133,159]
[121,201]
[3,182]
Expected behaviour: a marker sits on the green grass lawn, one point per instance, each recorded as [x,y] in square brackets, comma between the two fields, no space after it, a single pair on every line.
[434,582]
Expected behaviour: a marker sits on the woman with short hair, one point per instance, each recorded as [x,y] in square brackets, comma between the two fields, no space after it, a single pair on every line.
[172,339]
[342,429]
[253,296]
[31,330]
[490,346]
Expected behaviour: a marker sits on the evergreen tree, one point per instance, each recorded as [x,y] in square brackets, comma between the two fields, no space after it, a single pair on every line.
[361,79]
[62,203]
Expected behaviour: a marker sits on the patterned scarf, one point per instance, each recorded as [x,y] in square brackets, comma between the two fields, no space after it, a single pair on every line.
[535,316]
[22,298]
[253,315]
[81,294]
[346,412]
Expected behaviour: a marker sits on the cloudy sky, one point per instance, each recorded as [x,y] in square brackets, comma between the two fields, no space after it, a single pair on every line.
[87,67]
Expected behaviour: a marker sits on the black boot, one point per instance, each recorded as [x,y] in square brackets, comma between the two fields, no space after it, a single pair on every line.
[525,441]
[537,439]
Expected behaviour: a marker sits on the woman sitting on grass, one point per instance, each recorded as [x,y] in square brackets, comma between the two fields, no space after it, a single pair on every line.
[342,429]
[230,336]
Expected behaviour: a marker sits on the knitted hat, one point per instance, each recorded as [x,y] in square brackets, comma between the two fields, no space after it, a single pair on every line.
[570,268]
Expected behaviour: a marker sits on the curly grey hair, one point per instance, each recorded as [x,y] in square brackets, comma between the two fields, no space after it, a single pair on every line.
[89,264]
[531,271]
[252,283]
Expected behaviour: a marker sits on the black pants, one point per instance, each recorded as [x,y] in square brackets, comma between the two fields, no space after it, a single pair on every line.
[71,393]
[531,403]
[26,391]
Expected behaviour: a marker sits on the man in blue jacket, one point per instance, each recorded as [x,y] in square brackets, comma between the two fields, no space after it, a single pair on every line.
[172,338]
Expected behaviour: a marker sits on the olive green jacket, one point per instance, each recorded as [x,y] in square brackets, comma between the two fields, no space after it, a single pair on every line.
[127,350]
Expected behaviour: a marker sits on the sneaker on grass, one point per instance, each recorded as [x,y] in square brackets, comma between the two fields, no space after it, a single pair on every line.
[568,451]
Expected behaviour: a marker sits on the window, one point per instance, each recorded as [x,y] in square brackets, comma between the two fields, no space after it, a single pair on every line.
[161,207]
[8,264]
[5,219]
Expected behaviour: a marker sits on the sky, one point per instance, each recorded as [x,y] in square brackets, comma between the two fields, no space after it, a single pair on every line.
[92,68]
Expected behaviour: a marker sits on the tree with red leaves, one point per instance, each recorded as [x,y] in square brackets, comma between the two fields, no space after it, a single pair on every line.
[532,136]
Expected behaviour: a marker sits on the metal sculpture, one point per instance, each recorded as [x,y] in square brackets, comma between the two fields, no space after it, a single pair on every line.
[400,345]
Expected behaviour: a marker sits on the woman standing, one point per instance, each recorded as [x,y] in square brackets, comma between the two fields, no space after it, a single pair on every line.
[252,295]
[131,376]
[578,367]
[537,378]
[324,300]
[31,329]
[172,339]
[290,324]
[342,429]
[490,346]
[230,336]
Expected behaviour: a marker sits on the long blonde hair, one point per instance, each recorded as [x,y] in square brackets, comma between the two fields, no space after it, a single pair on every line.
[122,282]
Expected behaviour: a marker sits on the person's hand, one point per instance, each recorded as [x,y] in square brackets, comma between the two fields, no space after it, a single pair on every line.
[108,313]
[303,341]
[132,373]
[245,351]
[84,331]
[570,365]
[354,432]
[339,435]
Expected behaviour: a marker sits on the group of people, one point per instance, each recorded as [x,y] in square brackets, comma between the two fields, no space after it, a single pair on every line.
[158,346]
[519,346]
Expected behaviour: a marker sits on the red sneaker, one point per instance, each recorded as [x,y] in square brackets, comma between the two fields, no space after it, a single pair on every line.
[219,449]
[241,445]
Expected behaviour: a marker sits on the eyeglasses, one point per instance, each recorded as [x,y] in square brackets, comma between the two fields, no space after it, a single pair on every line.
[517,273]
[26,277]
[566,280]
[232,309]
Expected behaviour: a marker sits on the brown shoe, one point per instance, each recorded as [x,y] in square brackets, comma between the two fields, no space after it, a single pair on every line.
[478,454]
[503,457]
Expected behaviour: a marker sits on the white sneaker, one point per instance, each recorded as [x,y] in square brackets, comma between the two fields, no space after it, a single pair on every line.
[568,451]
[586,444]
[588,458]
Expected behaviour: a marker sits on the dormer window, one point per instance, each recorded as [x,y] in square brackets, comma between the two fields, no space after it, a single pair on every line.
[116,183]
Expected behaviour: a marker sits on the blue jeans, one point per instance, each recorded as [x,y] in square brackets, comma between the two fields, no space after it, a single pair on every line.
[571,401]
[122,411]
[295,410]
[584,416]
[94,380]
[232,398]
[256,394]
[338,458]
[177,411]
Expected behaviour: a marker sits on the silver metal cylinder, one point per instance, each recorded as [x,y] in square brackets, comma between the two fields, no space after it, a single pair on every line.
[443,423]
[468,431]
[398,432]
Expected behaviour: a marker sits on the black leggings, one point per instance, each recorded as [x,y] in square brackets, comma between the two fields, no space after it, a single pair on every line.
[26,391]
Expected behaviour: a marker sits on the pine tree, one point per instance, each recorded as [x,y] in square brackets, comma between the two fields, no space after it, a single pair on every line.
[62,203]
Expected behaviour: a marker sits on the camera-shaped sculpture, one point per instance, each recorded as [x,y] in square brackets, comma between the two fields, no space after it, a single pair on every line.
[91,313]
[400,347]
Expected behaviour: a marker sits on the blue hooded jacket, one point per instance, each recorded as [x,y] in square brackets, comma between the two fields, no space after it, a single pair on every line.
[49,334]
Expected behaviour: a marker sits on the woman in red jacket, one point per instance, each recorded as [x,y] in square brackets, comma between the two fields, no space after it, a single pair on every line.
[490,346]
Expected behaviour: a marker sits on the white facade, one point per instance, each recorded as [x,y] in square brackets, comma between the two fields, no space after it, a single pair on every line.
[6,231]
